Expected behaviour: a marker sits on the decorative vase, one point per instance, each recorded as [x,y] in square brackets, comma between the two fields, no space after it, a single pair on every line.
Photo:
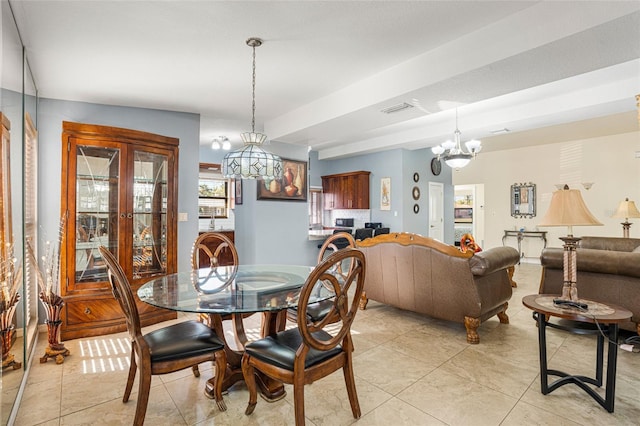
[56,349]
[7,332]
[288,177]
[298,182]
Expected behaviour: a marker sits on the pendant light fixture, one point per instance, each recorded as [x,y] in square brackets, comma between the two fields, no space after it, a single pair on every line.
[252,161]
[226,145]
[452,153]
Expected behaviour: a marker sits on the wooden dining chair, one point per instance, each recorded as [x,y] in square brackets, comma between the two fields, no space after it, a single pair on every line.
[212,249]
[165,350]
[307,353]
[335,242]
[218,249]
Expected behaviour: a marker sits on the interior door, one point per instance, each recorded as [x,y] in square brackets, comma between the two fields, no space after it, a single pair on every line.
[436,211]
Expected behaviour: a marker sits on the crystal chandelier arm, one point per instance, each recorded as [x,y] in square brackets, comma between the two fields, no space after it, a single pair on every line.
[474,146]
[437,150]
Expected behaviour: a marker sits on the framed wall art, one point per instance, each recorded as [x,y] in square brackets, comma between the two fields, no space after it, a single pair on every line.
[292,186]
[385,193]
[238,191]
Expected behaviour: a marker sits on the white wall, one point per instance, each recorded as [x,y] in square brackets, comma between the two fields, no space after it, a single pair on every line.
[608,161]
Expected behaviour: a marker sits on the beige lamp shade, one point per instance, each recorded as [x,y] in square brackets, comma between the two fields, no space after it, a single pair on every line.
[626,209]
[567,208]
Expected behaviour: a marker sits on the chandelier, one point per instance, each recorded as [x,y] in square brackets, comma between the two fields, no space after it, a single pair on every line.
[216,144]
[452,153]
[252,161]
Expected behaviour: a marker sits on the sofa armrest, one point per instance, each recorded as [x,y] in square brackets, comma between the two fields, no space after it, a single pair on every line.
[492,260]
[600,261]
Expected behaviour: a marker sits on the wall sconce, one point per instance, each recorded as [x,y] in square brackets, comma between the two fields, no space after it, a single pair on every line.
[587,185]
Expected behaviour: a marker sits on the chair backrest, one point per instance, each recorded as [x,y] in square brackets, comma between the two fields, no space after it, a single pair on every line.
[222,246]
[380,231]
[335,242]
[364,233]
[121,289]
[342,311]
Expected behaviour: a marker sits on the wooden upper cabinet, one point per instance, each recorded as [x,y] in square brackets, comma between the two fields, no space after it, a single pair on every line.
[119,190]
[346,190]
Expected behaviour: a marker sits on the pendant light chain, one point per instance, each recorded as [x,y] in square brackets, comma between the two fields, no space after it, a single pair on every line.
[252,161]
[253,110]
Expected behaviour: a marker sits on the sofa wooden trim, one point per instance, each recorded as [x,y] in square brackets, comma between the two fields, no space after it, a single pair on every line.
[406,238]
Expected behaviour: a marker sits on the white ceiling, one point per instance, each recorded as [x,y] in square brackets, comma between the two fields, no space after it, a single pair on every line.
[326,69]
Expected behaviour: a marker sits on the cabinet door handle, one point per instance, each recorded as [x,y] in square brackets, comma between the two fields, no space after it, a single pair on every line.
[129,215]
[122,215]
[87,311]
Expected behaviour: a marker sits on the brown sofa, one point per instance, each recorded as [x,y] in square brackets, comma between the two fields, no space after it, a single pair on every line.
[608,271]
[423,275]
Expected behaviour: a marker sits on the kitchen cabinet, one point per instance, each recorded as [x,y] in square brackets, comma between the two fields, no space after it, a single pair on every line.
[346,190]
[119,190]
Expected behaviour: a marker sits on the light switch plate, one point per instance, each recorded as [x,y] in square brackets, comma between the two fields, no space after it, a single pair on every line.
[183,217]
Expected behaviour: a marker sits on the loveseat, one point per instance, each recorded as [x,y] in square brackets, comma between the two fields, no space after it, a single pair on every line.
[423,275]
[608,271]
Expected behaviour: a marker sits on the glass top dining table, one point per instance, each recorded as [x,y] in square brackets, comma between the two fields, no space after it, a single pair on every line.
[232,293]
[231,289]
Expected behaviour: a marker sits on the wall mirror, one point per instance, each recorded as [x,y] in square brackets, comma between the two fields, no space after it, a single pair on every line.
[523,200]
[18,117]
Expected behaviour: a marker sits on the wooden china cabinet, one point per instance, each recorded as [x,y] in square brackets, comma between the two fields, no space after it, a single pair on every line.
[346,190]
[119,189]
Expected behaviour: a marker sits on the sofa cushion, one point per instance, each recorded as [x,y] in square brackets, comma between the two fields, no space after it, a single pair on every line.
[636,250]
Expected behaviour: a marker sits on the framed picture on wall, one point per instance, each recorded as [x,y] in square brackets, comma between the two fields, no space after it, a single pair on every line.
[292,186]
[385,193]
[238,191]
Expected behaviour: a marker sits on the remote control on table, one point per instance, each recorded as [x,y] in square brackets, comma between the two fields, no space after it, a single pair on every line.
[570,304]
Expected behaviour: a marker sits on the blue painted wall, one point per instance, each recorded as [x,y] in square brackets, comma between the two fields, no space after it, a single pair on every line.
[183,126]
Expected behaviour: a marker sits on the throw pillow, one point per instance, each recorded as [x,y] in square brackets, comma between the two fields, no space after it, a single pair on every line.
[636,250]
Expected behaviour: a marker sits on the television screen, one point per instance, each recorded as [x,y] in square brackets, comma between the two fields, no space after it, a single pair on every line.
[463,214]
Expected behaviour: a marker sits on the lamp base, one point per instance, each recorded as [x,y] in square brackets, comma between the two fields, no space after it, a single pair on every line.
[570,269]
[625,229]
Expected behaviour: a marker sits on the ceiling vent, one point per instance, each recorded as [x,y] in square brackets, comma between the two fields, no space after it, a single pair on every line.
[500,131]
[396,108]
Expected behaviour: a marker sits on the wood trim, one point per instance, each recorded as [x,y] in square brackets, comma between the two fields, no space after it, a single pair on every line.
[4,120]
[408,239]
[89,131]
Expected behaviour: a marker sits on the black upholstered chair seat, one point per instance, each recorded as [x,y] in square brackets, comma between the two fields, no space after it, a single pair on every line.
[280,350]
[189,338]
[317,311]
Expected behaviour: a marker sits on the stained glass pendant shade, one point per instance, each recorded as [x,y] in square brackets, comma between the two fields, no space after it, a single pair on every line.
[252,161]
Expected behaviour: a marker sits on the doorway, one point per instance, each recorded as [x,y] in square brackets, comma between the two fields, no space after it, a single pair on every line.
[469,212]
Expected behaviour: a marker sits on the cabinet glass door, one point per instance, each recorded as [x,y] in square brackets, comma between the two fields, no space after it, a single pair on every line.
[150,192]
[96,220]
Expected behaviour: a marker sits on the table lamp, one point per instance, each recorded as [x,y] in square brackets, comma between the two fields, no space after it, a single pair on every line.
[626,209]
[567,208]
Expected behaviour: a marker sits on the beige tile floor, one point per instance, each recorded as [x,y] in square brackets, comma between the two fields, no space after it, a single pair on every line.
[410,370]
